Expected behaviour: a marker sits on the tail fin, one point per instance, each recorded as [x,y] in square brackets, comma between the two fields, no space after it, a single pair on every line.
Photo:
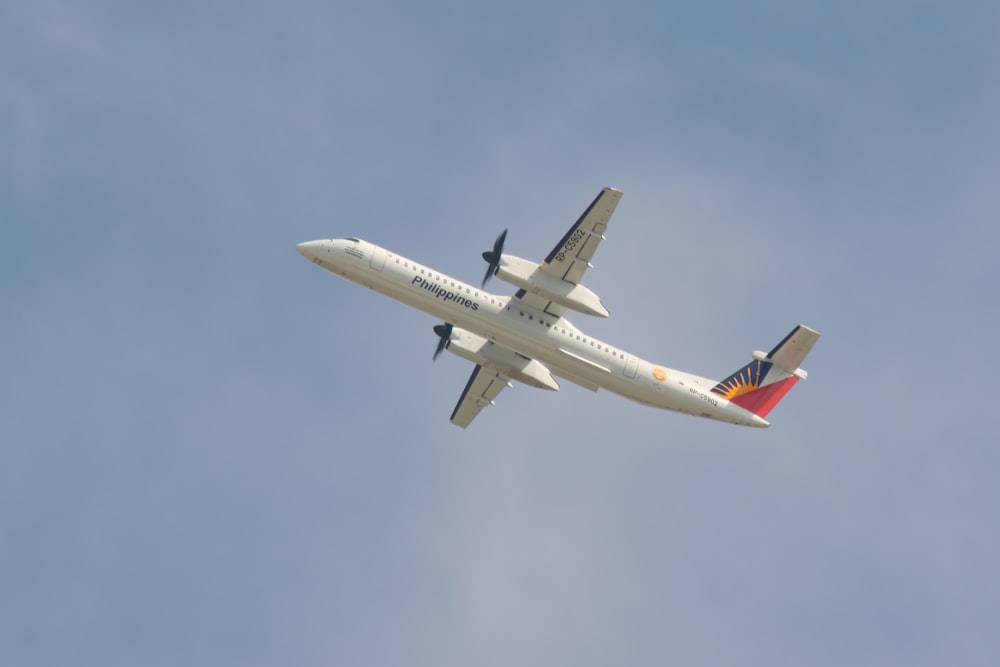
[763,382]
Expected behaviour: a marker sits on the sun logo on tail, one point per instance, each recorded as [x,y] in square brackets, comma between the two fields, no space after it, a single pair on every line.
[743,381]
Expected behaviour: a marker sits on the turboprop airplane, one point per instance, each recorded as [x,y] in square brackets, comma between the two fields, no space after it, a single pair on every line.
[527,337]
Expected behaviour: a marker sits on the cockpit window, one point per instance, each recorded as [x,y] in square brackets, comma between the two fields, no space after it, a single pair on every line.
[351,238]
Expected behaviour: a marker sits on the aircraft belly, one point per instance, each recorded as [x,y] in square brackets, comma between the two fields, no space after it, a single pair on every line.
[471,310]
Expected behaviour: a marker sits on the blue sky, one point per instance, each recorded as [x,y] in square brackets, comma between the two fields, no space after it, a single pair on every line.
[211,452]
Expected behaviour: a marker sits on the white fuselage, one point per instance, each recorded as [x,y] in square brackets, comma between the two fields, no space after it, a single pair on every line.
[565,350]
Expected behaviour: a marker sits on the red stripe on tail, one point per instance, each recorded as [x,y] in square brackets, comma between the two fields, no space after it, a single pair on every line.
[762,401]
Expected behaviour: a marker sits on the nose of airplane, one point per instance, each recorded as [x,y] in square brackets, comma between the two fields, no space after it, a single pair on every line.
[308,249]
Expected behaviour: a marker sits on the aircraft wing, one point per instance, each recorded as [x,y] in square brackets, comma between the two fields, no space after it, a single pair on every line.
[483,386]
[570,259]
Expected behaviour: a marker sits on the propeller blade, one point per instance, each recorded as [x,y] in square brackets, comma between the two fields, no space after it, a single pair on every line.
[492,257]
[498,244]
[489,274]
[444,334]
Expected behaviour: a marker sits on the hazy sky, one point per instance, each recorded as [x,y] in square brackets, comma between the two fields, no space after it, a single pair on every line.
[213,453]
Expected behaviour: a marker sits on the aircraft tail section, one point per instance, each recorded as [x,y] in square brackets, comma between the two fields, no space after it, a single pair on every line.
[762,383]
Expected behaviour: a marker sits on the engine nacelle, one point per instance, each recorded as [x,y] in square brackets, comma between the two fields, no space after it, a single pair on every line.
[530,277]
[480,351]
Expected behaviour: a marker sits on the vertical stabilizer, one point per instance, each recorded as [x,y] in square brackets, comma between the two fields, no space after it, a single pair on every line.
[762,383]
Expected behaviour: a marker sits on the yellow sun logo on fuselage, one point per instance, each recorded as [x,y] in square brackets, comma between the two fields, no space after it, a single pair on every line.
[743,381]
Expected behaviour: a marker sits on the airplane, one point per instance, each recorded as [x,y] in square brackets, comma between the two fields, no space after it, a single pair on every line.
[528,338]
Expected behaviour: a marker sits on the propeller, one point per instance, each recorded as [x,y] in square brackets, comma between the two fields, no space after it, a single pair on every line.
[493,257]
[444,333]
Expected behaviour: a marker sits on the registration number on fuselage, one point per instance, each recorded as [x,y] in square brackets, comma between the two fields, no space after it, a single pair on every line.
[705,397]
